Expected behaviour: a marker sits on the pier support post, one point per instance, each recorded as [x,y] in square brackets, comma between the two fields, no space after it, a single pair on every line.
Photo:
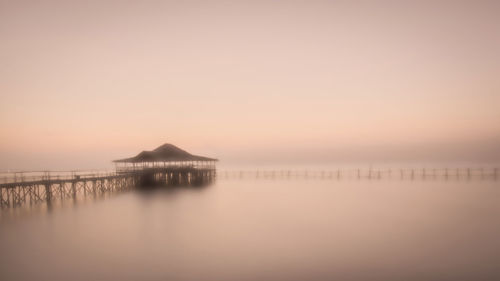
[94,188]
[48,193]
[73,189]
[1,198]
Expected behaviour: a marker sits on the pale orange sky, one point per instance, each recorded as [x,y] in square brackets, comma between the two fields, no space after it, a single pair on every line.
[84,82]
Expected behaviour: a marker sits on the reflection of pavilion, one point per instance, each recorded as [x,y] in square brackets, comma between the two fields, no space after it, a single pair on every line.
[168,165]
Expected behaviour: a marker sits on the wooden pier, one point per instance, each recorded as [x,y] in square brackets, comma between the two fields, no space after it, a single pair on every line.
[47,188]
[165,166]
[26,188]
[34,187]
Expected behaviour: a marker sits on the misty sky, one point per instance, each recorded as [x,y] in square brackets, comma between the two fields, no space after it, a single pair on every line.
[85,82]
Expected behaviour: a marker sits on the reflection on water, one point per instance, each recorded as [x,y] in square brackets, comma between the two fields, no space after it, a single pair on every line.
[264,230]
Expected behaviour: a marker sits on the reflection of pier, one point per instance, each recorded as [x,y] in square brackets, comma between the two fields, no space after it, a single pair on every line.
[164,166]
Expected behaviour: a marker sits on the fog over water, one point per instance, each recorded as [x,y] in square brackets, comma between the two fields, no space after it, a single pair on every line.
[85,82]
[264,230]
[280,92]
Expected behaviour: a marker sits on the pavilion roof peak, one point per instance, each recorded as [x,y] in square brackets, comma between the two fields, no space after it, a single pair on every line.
[164,153]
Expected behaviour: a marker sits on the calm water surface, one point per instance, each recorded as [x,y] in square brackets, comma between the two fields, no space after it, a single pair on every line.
[264,230]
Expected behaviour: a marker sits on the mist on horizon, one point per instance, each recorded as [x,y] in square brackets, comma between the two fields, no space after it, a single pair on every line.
[249,82]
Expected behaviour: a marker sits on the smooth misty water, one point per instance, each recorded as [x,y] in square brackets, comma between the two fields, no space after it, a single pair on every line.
[265,230]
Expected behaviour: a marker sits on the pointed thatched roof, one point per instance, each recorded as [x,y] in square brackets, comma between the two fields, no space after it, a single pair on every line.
[165,153]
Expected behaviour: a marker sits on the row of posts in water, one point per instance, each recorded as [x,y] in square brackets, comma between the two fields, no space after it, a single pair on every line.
[369,174]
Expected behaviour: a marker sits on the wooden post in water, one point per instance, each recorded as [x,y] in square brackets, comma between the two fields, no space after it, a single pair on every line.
[1,198]
[61,190]
[94,191]
[48,193]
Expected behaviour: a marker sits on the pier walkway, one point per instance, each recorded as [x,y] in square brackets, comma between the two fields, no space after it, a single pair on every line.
[32,187]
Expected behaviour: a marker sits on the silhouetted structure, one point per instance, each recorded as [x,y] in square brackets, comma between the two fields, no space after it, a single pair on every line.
[168,165]
[165,155]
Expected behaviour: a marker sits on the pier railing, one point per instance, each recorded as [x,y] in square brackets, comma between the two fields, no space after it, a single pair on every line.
[366,173]
[33,176]
[165,165]
[346,173]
